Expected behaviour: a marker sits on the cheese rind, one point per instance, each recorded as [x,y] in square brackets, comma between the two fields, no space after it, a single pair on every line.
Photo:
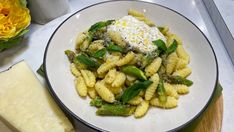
[28,106]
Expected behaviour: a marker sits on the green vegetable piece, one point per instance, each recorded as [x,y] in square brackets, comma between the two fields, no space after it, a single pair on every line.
[70,54]
[9,43]
[100,25]
[134,90]
[172,47]
[87,61]
[161,92]
[115,110]
[100,53]
[134,71]
[146,60]
[97,102]
[160,29]
[160,44]
[178,80]
[23,3]
[115,48]
[41,71]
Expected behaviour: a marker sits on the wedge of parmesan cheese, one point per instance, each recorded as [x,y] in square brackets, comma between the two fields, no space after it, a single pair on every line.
[28,106]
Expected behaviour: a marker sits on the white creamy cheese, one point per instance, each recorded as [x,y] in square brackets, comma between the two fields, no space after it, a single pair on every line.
[28,106]
[137,34]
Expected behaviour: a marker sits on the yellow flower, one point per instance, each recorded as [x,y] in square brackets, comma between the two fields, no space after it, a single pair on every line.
[13,18]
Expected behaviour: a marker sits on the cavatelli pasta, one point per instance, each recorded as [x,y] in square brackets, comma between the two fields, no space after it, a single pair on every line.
[114,90]
[116,38]
[79,40]
[142,93]
[81,88]
[171,62]
[92,93]
[171,38]
[181,64]
[136,100]
[105,67]
[181,89]
[126,59]
[74,70]
[170,90]
[112,58]
[96,45]
[141,109]
[153,67]
[80,66]
[136,59]
[119,80]
[183,72]
[104,92]
[182,53]
[165,30]
[149,22]
[89,78]
[142,18]
[107,49]
[85,44]
[135,13]
[171,103]
[152,88]
[110,76]
[129,80]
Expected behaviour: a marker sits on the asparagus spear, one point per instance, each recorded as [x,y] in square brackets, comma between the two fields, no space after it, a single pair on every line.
[177,80]
[97,102]
[161,92]
[114,48]
[87,61]
[115,110]
[70,54]
[100,25]
[100,53]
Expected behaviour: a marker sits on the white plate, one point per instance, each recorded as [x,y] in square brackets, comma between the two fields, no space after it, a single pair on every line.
[203,64]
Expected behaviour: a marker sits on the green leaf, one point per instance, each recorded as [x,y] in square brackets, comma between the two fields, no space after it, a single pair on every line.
[87,61]
[134,71]
[160,44]
[161,92]
[134,90]
[10,43]
[172,47]
[100,25]
[23,3]
[115,48]
[41,71]
[115,110]
[6,44]
[100,53]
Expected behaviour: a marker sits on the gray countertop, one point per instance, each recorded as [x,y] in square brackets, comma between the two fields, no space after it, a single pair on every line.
[32,48]
[226,9]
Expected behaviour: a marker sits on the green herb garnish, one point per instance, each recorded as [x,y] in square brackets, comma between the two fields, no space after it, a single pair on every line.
[134,90]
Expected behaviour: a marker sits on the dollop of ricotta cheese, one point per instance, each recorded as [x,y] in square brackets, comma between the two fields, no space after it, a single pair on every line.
[137,34]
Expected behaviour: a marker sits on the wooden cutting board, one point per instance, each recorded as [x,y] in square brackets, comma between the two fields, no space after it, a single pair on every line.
[212,119]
